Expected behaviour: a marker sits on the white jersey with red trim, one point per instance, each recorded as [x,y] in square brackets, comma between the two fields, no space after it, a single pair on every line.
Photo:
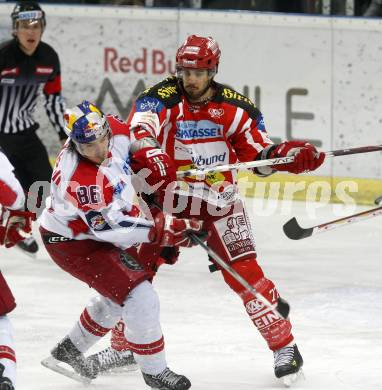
[11,193]
[90,201]
[227,129]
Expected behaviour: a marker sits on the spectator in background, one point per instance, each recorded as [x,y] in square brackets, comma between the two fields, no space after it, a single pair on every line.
[27,66]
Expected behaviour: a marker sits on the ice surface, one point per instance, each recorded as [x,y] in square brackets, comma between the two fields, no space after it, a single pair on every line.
[332,280]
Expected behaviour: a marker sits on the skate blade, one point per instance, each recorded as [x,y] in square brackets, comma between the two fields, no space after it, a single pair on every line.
[290,380]
[54,365]
[120,370]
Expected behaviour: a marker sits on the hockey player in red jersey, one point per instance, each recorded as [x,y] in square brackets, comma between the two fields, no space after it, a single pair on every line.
[90,230]
[201,123]
[16,221]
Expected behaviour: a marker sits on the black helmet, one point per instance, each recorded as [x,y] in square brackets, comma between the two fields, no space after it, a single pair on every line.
[27,10]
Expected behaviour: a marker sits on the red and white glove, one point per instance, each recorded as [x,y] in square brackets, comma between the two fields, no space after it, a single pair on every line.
[18,221]
[172,231]
[160,167]
[306,156]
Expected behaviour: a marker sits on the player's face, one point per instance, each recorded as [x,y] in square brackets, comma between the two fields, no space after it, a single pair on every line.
[195,83]
[96,151]
[28,33]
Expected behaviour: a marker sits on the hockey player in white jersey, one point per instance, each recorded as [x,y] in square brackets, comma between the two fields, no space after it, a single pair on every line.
[90,229]
[16,223]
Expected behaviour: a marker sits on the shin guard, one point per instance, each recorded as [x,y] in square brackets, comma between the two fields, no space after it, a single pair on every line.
[277,332]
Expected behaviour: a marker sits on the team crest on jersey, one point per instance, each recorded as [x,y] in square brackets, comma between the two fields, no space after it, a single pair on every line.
[130,262]
[216,112]
[98,222]
[237,235]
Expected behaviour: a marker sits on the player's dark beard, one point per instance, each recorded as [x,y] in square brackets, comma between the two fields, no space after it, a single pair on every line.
[195,99]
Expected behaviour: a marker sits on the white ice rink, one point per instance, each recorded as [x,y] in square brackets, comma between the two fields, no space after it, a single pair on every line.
[333,282]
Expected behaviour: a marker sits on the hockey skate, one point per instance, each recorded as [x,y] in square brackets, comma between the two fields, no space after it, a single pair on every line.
[167,380]
[28,246]
[288,364]
[5,383]
[110,360]
[66,352]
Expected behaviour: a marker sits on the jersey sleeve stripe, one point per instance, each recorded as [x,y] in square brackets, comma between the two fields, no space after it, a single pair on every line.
[252,142]
[235,123]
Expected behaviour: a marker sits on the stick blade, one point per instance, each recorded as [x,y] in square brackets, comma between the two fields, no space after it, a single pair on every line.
[378,201]
[294,231]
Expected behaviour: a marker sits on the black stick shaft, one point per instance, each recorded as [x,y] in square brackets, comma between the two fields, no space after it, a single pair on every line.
[361,149]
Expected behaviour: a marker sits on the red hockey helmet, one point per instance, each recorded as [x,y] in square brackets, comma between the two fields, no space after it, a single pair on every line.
[198,53]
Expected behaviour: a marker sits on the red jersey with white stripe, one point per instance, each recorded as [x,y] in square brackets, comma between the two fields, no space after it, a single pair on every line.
[90,201]
[226,129]
[11,193]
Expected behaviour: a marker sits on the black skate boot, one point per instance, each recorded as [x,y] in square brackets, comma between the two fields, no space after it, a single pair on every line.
[28,246]
[167,380]
[288,364]
[111,360]
[66,352]
[5,383]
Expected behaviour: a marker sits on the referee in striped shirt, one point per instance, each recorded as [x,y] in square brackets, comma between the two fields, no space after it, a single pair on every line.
[28,68]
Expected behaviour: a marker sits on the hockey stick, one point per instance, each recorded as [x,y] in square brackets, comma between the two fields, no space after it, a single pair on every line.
[294,231]
[273,161]
[281,309]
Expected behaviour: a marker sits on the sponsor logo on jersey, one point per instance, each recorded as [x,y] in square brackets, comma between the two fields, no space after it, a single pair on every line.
[210,160]
[184,150]
[10,71]
[8,81]
[192,130]
[148,104]
[236,235]
[254,306]
[57,239]
[230,94]
[44,70]
[166,92]
[216,112]
[229,194]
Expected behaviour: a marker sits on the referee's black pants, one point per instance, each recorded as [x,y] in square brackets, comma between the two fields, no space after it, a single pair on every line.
[30,159]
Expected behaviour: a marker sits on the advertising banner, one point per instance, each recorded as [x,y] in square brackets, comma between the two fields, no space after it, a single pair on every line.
[314,78]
